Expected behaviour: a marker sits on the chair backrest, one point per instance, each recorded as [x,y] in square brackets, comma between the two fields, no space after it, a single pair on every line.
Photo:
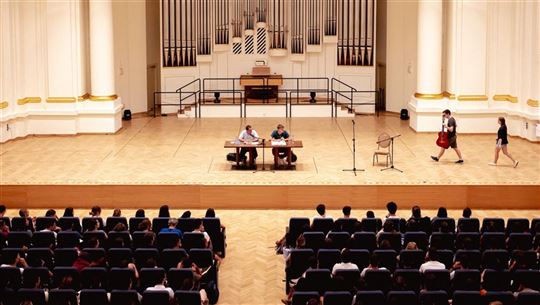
[159,223]
[36,296]
[492,225]
[337,298]
[327,258]
[364,240]
[168,240]
[314,240]
[121,235]
[190,224]
[393,238]
[155,298]
[31,274]
[170,258]
[62,297]
[420,238]
[387,259]
[528,298]
[322,224]
[371,224]
[70,223]
[375,297]
[120,278]
[318,280]
[466,280]
[94,278]
[506,297]
[468,240]
[495,259]
[360,257]
[302,297]
[67,239]
[520,241]
[466,297]
[297,226]
[176,276]
[60,272]
[433,298]
[530,277]
[113,221]
[10,277]
[383,140]
[144,255]
[19,239]
[86,222]
[149,277]
[437,280]
[468,225]
[443,241]
[496,280]
[402,298]
[437,222]
[124,297]
[37,257]
[93,297]
[22,224]
[134,223]
[119,257]
[469,259]
[517,225]
[187,297]
[411,259]
[192,240]
[378,280]
[346,224]
[44,222]
[202,257]
[412,279]
[340,239]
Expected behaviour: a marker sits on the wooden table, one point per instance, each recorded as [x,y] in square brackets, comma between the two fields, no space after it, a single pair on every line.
[267,144]
[261,86]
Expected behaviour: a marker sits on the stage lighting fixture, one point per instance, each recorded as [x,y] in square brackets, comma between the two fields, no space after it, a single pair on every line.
[312,94]
[216,96]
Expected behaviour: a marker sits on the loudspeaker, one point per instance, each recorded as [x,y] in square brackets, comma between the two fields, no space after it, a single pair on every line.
[404,114]
[127,115]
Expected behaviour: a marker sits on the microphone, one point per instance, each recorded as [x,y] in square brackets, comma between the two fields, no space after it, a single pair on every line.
[353,122]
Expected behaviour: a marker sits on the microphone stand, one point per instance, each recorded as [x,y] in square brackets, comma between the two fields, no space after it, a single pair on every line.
[353,169]
[391,167]
[263,149]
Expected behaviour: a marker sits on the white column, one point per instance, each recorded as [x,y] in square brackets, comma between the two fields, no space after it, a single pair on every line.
[101,50]
[429,48]
[451,47]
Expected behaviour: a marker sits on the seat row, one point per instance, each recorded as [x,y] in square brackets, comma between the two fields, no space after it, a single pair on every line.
[412,298]
[114,257]
[408,279]
[68,239]
[99,297]
[94,278]
[412,259]
[447,241]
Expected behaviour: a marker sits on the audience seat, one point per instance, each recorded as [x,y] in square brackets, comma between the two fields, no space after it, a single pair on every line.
[466,280]
[155,298]
[297,226]
[44,222]
[64,257]
[438,297]
[493,240]
[68,239]
[337,298]
[468,241]
[143,256]
[495,259]
[371,224]
[169,258]
[19,239]
[378,280]
[446,257]
[43,240]
[420,238]
[134,223]
[33,295]
[121,279]
[299,259]
[176,276]
[517,225]
[212,225]
[99,235]
[496,280]
[340,240]
[535,225]
[86,223]
[124,297]
[437,222]
[387,259]
[202,257]
[497,224]
[375,297]
[442,241]
[94,278]
[318,280]
[113,221]
[124,236]
[190,224]
[364,240]
[302,297]
[393,238]
[467,298]
[411,259]
[437,280]
[469,258]
[22,224]
[119,257]
[346,225]
[191,240]
[60,272]
[93,297]
[62,297]
[402,298]
[187,297]
[31,274]
[468,225]
[351,278]
[38,257]
[360,257]
[528,298]
[520,241]
[314,240]
[506,297]
[412,279]
[10,277]
[327,258]
[159,223]
[322,224]
[69,224]
[149,277]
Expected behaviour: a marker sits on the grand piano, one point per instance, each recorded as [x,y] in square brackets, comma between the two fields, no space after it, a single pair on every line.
[260,84]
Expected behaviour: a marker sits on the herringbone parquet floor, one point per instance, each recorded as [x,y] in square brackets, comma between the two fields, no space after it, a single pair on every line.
[252,273]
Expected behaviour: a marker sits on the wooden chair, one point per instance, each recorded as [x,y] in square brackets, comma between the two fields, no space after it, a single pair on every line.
[383,148]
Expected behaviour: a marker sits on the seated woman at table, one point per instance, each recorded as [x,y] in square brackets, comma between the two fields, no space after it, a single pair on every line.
[281,134]
[246,136]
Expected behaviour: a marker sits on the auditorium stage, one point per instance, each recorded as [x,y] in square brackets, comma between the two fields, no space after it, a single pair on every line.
[182,162]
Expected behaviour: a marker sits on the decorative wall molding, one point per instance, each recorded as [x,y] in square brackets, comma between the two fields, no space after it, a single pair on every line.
[532,103]
[505,98]
[58,99]
[29,100]
[106,98]
[4,105]
[429,96]
[83,97]
[449,95]
[472,98]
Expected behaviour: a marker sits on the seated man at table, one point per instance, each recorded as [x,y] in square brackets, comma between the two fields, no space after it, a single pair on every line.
[281,134]
[247,136]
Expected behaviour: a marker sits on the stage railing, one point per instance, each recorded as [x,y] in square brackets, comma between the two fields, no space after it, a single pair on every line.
[334,90]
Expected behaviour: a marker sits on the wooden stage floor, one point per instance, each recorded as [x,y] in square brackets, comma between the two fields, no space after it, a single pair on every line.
[166,156]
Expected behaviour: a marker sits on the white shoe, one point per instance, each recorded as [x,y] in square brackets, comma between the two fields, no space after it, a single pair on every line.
[492,163]
[516,164]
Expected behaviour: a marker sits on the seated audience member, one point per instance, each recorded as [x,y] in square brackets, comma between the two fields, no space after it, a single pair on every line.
[145,225]
[68,212]
[33,280]
[345,262]
[160,286]
[140,213]
[95,211]
[467,213]
[524,287]
[2,210]
[189,284]
[373,265]
[51,213]
[248,135]
[4,229]
[299,283]
[29,221]
[411,246]
[321,211]
[281,133]
[199,228]
[431,262]
[313,301]
[117,213]
[164,211]
[462,264]
[211,213]
[392,209]
[388,227]
[496,303]
[186,214]
[173,222]
[119,227]
[51,227]
[370,214]
[413,225]
[441,213]
[186,262]
[518,261]
[346,211]
[14,260]
[93,226]
[149,240]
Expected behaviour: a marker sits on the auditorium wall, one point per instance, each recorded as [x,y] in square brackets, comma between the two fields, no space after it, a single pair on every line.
[490,66]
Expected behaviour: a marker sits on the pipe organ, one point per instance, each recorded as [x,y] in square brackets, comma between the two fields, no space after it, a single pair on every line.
[193,28]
